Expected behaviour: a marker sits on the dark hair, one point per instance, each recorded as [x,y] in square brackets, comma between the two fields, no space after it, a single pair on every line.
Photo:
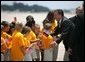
[12,26]
[4,23]
[30,21]
[25,29]
[45,21]
[59,11]
[50,16]
[47,26]
[15,18]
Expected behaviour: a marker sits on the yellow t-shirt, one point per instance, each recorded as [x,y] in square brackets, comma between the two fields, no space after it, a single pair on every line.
[8,37]
[17,43]
[5,35]
[4,46]
[31,36]
[46,40]
[53,25]
[26,42]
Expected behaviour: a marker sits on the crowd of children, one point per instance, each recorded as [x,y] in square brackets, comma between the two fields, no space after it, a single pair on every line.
[29,42]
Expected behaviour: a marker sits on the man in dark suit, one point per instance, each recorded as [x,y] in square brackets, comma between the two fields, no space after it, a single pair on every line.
[64,28]
[77,38]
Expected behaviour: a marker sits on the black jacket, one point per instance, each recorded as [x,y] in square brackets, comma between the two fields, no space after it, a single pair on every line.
[77,37]
[66,27]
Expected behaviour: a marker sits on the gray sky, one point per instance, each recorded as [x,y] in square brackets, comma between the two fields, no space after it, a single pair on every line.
[49,4]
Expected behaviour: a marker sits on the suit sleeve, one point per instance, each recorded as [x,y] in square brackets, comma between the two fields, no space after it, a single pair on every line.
[67,28]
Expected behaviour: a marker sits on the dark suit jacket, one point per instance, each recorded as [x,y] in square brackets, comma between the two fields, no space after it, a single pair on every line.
[66,27]
[77,37]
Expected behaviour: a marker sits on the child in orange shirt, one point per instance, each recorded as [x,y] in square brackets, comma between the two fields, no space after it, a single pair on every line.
[6,39]
[54,24]
[47,39]
[17,50]
[38,51]
[3,46]
[33,40]
[25,31]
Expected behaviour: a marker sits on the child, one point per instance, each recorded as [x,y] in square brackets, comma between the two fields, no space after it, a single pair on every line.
[37,31]
[47,39]
[25,31]
[32,38]
[3,46]
[54,24]
[17,50]
[6,39]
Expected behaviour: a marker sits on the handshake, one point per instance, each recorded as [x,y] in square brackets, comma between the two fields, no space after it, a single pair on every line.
[55,42]
[52,44]
[57,38]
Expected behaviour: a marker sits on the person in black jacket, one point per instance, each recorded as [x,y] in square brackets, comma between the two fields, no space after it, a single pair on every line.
[77,38]
[64,28]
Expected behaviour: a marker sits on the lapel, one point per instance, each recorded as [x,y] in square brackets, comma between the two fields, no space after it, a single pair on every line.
[60,24]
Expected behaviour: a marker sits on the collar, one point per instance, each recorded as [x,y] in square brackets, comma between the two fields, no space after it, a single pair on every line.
[60,21]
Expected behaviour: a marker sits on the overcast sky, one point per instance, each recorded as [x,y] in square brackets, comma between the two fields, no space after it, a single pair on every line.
[49,4]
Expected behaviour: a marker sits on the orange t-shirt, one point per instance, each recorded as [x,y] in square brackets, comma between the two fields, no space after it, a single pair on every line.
[5,35]
[17,43]
[46,40]
[31,36]
[53,25]
[8,38]
[3,45]
[27,42]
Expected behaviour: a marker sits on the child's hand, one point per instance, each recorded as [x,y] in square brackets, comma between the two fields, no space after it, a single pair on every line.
[54,38]
[28,50]
[53,44]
